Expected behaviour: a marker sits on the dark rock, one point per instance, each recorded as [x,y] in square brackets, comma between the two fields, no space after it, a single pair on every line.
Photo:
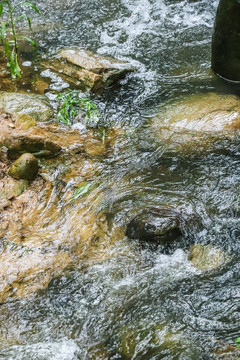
[25,167]
[156,225]
[34,144]
[226,40]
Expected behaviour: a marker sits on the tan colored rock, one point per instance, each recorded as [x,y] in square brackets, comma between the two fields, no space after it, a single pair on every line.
[87,70]
[41,85]
[207,257]
[4,203]
[196,121]
[10,188]
[21,275]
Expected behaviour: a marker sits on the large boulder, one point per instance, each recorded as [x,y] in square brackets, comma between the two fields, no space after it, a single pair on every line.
[195,122]
[155,225]
[26,167]
[226,40]
[86,70]
[37,107]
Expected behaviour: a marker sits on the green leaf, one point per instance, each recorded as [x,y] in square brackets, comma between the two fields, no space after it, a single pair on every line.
[83,190]
[29,23]
[237,340]
[1,8]
[28,4]
[19,18]
[12,63]
[7,48]
[3,29]
[17,67]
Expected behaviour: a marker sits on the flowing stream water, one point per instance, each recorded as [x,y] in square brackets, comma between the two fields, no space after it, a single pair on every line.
[139,302]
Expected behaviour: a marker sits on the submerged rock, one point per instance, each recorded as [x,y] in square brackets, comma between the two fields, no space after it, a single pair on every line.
[147,341]
[86,70]
[158,225]
[45,229]
[207,257]
[226,42]
[26,167]
[20,143]
[196,121]
[35,106]
[10,188]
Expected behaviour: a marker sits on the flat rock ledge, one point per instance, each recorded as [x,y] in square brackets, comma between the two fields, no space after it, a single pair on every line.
[86,70]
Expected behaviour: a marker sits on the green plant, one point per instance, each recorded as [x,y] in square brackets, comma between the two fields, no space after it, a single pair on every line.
[91,110]
[70,105]
[237,342]
[83,190]
[8,35]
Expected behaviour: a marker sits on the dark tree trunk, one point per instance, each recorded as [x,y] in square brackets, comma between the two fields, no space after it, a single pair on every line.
[226,40]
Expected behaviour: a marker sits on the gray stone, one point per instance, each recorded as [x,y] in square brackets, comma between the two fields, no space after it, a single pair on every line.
[35,106]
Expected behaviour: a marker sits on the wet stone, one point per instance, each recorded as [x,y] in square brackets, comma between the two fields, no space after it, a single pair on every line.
[10,188]
[35,106]
[155,225]
[194,123]
[207,257]
[24,122]
[27,143]
[86,70]
[25,167]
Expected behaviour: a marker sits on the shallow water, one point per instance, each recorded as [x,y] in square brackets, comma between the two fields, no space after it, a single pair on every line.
[141,303]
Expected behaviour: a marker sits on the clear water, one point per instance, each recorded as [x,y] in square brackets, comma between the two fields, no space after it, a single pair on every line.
[141,303]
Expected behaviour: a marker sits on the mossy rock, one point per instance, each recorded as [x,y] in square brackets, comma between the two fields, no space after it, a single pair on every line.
[24,122]
[25,167]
